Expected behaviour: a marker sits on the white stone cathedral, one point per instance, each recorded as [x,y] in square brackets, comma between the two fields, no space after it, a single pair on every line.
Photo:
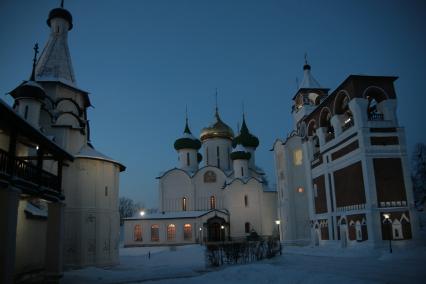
[52,102]
[224,199]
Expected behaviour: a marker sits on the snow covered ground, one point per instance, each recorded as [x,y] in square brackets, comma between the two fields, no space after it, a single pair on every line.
[328,264]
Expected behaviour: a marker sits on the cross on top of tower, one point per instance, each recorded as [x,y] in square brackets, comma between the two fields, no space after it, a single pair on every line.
[34,62]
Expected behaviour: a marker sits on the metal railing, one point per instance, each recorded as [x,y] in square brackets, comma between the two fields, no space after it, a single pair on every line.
[375,116]
[27,172]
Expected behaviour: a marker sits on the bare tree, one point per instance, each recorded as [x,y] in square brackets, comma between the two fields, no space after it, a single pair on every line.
[126,208]
[419,173]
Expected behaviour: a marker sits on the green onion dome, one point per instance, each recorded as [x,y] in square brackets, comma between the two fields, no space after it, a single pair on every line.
[245,138]
[218,129]
[60,13]
[240,153]
[187,141]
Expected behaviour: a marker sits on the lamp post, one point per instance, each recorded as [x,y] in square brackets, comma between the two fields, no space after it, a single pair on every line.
[278,222]
[389,222]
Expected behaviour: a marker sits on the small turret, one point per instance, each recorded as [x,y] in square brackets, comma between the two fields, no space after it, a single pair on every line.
[217,143]
[29,97]
[308,96]
[248,140]
[187,147]
[240,157]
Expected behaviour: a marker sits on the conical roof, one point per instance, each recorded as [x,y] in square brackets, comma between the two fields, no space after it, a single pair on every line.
[55,60]
[309,82]
[245,138]
[218,129]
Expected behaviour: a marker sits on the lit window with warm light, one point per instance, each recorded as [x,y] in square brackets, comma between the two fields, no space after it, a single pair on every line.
[187,232]
[171,232]
[300,190]
[297,157]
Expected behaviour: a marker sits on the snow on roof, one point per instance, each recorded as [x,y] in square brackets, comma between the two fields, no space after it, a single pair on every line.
[35,211]
[309,81]
[89,152]
[174,215]
[239,148]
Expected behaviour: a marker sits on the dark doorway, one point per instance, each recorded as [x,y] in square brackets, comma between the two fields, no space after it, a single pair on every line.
[216,229]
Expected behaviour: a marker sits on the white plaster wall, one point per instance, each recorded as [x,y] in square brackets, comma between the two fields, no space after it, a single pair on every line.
[30,241]
[91,212]
[241,168]
[193,163]
[175,185]
[204,190]
[238,212]
[33,114]
[295,210]
[210,152]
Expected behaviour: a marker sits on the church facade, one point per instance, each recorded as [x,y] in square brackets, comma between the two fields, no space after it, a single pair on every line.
[342,173]
[85,211]
[225,199]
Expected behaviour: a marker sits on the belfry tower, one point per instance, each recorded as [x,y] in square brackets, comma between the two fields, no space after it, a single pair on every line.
[91,183]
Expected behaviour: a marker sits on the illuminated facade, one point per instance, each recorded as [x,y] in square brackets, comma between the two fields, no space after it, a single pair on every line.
[344,165]
[225,199]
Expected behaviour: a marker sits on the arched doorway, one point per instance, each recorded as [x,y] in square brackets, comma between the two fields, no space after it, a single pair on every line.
[216,229]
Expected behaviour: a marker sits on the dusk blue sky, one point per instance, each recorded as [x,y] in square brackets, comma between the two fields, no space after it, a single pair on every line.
[143,61]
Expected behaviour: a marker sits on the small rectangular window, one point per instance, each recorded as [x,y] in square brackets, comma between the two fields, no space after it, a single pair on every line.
[26,112]
[187,159]
[106,190]
[245,200]
[218,157]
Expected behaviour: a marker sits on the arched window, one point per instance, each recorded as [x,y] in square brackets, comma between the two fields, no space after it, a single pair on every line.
[187,159]
[245,200]
[242,171]
[209,176]
[325,121]
[137,233]
[374,96]
[341,107]
[184,204]
[187,232]
[155,233]
[212,202]
[171,232]
[247,227]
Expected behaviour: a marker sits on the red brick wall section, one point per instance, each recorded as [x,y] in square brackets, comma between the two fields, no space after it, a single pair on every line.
[389,180]
[349,185]
[320,197]
[324,233]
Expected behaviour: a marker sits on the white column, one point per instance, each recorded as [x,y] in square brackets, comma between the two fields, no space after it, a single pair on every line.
[358,107]
[337,123]
[321,131]
[9,200]
[388,108]
[54,242]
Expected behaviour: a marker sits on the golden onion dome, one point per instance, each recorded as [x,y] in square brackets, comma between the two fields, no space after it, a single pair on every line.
[218,129]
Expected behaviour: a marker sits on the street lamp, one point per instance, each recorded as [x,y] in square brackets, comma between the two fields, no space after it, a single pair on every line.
[389,222]
[142,213]
[278,222]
